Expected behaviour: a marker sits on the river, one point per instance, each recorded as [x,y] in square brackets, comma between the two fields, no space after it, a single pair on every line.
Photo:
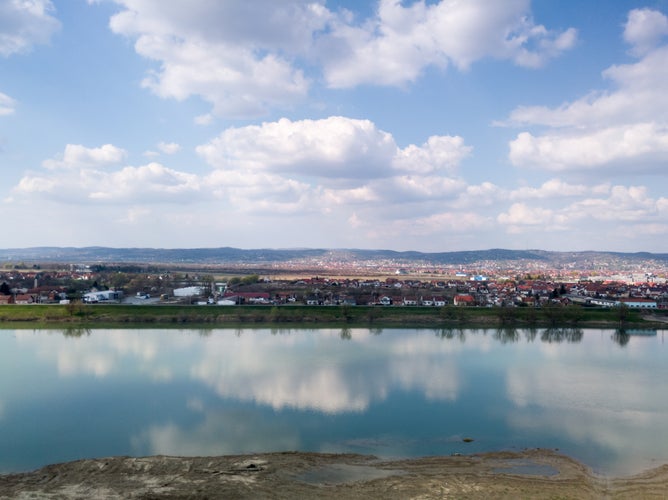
[598,395]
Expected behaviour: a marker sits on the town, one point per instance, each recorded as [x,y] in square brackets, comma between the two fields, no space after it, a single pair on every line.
[485,284]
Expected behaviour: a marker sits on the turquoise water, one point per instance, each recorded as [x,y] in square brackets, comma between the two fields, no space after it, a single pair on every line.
[597,395]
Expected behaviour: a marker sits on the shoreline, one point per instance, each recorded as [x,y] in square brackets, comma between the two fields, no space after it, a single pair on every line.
[537,473]
[342,316]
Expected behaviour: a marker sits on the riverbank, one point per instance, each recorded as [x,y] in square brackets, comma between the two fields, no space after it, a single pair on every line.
[526,474]
[293,315]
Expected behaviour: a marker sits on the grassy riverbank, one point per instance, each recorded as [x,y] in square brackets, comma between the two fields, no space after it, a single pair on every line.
[570,316]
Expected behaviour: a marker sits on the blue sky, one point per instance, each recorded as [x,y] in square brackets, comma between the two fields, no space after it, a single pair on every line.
[415,125]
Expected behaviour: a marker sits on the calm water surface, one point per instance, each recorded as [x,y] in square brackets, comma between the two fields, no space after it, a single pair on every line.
[597,395]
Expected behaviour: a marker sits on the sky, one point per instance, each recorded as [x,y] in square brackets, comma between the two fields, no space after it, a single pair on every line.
[428,125]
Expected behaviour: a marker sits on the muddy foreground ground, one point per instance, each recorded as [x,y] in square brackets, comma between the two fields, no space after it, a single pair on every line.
[528,474]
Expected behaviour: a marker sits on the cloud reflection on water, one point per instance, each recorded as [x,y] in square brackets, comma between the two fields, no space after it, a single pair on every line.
[597,394]
[584,389]
[219,433]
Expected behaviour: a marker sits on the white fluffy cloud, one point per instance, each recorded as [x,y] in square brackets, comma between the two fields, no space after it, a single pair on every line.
[333,147]
[645,144]
[24,23]
[145,184]
[520,214]
[628,207]
[98,175]
[644,29]
[439,153]
[169,148]
[245,64]
[284,168]
[7,104]
[78,156]
[223,52]
[330,167]
[395,46]
[152,182]
[336,147]
[626,127]
[553,188]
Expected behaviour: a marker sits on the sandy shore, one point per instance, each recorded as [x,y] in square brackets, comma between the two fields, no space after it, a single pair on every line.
[527,474]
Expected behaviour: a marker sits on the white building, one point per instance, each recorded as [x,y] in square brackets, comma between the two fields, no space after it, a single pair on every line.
[103,296]
[189,291]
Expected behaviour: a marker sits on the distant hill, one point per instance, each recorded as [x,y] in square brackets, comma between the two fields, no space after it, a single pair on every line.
[317,257]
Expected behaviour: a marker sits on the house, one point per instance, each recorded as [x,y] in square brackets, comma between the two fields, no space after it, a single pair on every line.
[385,301]
[24,298]
[6,299]
[439,301]
[410,301]
[638,303]
[248,297]
[464,300]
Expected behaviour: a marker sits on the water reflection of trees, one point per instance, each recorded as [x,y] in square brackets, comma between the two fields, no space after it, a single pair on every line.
[345,333]
[507,335]
[76,331]
[621,336]
[510,334]
[280,331]
[530,334]
[451,333]
[561,335]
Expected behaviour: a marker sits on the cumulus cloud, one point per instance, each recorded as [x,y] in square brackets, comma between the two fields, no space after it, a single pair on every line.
[335,147]
[7,105]
[223,52]
[329,166]
[553,188]
[622,203]
[644,30]
[24,24]
[520,214]
[169,148]
[642,142]
[152,182]
[629,207]
[439,153]
[337,168]
[146,184]
[395,46]
[88,175]
[450,222]
[624,127]
[78,156]
[245,64]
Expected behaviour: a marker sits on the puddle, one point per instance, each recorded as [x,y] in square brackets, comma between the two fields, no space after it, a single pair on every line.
[342,473]
[528,468]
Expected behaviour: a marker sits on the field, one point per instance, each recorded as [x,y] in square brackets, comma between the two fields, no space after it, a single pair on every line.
[377,316]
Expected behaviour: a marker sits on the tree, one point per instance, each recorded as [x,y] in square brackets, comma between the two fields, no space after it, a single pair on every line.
[622,311]
[4,289]
[250,279]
